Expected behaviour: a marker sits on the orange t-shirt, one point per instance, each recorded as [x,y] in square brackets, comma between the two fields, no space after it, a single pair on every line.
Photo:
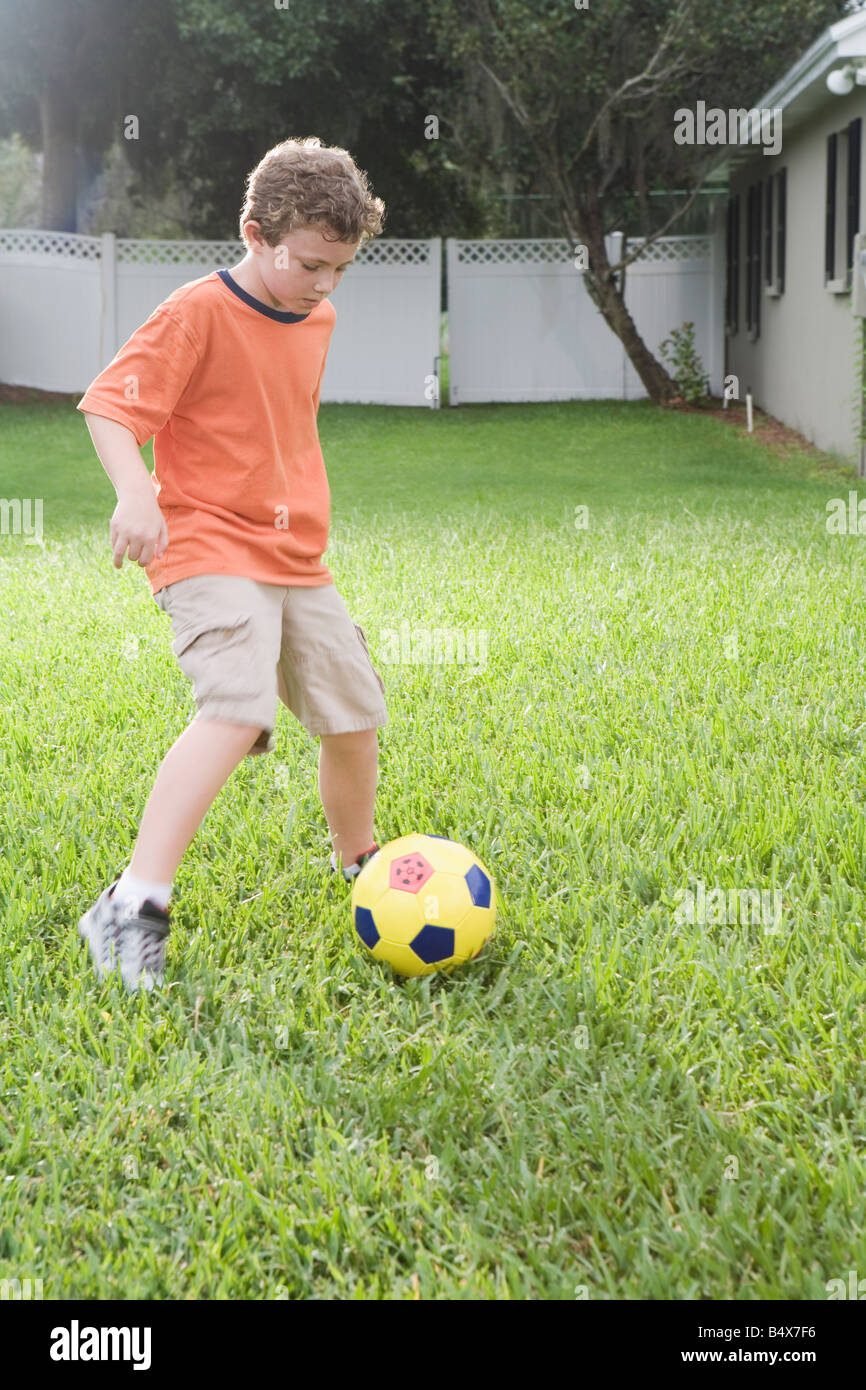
[230,389]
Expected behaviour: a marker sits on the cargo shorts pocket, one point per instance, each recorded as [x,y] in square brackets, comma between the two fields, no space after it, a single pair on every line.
[185,633]
[363,640]
[221,656]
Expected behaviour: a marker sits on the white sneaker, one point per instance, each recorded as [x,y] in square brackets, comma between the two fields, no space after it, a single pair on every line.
[118,934]
[351,871]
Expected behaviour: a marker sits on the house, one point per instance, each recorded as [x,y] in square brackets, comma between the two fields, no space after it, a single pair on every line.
[789,225]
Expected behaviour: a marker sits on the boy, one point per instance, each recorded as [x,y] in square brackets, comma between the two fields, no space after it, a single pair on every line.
[231,528]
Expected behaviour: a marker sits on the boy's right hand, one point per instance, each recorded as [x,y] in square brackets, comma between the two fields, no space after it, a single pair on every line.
[138,528]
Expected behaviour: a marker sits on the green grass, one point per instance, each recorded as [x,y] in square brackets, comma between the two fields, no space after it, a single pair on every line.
[609,1101]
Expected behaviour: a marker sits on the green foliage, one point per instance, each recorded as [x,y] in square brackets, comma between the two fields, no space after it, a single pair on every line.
[119,203]
[239,76]
[686,366]
[20,184]
[556,67]
[82,48]
[217,82]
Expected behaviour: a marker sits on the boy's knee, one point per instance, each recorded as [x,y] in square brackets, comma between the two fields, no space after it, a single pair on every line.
[231,730]
[356,739]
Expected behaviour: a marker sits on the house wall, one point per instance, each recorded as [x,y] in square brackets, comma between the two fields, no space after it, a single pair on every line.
[802,367]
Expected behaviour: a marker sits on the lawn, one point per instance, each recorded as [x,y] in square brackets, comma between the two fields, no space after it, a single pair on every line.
[612,1101]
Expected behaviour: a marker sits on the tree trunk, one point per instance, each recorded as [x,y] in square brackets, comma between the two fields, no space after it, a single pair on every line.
[59,117]
[641,189]
[603,291]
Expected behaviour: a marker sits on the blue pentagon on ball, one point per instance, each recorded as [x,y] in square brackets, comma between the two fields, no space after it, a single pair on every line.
[433,944]
[366,927]
[479,886]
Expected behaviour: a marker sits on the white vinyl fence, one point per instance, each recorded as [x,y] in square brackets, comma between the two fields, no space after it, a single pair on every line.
[522,326]
[68,302]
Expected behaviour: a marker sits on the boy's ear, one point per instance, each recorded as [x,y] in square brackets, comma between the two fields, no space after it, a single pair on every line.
[255,232]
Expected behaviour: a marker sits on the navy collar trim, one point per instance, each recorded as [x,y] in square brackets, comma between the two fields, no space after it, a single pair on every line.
[281,315]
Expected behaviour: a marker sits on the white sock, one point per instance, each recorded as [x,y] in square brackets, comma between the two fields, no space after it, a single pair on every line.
[137,890]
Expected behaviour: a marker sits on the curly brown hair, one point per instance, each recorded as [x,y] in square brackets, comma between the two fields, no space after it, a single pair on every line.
[303,183]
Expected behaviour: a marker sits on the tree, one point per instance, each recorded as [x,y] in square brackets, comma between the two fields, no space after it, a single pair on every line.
[239,76]
[591,95]
[62,69]
[212,84]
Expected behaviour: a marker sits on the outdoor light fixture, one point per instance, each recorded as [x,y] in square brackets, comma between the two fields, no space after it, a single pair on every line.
[841,80]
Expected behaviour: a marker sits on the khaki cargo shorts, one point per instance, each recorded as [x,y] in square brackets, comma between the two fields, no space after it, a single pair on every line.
[243,644]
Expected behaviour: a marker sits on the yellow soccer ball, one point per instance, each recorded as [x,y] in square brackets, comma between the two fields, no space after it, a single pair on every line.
[423,903]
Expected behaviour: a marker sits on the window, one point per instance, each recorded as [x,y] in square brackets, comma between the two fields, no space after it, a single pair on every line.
[852,208]
[842,211]
[830,210]
[768,231]
[753,260]
[781,216]
[774,232]
[732,267]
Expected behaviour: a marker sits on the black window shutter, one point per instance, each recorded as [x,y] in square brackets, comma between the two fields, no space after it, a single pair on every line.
[729,263]
[853,209]
[768,231]
[735,267]
[781,207]
[830,212]
[750,231]
[756,277]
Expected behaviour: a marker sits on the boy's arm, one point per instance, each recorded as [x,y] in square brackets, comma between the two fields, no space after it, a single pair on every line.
[127,404]
[119,455]
[137,525]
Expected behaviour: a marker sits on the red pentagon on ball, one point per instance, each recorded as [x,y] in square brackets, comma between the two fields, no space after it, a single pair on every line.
[410,873]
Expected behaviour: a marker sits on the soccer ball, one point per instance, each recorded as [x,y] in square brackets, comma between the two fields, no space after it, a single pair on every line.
[423,903]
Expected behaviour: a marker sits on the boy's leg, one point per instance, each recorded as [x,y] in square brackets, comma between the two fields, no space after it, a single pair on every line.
[326,678]
[348,774]
[226,639]
[192,772]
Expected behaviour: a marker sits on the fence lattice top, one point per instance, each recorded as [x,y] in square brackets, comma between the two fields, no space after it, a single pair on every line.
[144,251]
[400,251]
[133,251]
[73,247]
[673,248]
[545,251]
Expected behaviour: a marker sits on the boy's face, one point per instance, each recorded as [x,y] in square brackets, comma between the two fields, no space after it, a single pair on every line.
[302,269]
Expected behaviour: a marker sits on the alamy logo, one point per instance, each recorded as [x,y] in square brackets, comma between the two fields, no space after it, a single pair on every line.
[20,1288]
[75,1343]
[718,907]
[717,126]
[847,520]
[423,646]
[22,516]
[856,1288]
